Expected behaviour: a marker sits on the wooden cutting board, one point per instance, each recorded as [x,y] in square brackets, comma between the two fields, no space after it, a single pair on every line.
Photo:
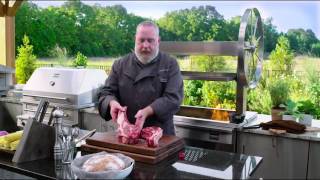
[85,148]
[109,140]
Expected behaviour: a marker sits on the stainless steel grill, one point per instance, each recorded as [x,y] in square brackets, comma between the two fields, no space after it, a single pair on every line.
[68,88]
[5,79]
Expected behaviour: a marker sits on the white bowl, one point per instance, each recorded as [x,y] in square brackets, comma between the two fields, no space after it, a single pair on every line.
[76,166]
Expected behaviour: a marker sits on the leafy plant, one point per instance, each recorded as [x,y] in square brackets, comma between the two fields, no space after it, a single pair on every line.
[80,60]
[25,62]
[307,107]
[219,94]
[259,100]
[291,108]
[193,92]
[279,91]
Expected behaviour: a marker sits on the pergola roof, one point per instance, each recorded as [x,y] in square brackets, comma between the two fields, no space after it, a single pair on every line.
[9,7]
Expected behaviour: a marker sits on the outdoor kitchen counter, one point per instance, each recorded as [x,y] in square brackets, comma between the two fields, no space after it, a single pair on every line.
[312,136]
[199,163]
[10,99]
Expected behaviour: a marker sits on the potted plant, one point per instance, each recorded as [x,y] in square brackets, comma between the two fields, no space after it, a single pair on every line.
[279,92]
[308,110]
[291,111]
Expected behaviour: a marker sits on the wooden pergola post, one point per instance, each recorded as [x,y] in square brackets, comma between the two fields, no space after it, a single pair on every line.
[8,9]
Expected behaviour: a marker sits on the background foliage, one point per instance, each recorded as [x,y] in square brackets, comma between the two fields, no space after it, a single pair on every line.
[76,29]
[99,31]
[25,61]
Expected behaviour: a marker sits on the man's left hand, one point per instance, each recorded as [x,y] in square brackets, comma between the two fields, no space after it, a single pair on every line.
[142,115]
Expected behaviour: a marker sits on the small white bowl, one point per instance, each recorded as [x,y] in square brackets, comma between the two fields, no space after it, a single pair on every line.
[76,166]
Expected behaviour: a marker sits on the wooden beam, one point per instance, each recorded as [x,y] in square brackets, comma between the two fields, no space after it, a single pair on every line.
[1,9]
[10,41]
[13,10]
[6,7]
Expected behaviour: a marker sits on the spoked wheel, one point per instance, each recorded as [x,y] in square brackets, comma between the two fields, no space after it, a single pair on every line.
[251,48]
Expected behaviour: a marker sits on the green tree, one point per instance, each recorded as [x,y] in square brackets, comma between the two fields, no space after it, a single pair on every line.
[25,62]
[315,49]
[232,29]
[282,58]
[196,24]
[270,35]
[301,40]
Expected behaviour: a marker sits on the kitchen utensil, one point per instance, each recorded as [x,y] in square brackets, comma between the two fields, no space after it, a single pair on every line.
[44,110]
[40,105]
[90,133]
[51,115]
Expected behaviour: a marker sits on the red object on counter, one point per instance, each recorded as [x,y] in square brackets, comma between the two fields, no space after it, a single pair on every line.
[182,155]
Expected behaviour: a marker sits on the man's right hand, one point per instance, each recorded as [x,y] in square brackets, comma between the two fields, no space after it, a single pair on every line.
[115,107]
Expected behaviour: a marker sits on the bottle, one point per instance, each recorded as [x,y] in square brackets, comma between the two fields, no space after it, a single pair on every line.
[58,149]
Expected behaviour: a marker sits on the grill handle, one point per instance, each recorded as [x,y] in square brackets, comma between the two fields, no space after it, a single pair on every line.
[49,97]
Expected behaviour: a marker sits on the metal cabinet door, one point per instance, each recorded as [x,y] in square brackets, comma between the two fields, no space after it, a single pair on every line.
[282,157]
[314,160]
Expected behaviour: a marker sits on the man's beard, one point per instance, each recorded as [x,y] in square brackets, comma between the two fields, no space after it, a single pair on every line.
[145,59]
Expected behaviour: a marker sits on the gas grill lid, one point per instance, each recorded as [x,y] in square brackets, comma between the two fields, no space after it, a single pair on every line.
[69,81]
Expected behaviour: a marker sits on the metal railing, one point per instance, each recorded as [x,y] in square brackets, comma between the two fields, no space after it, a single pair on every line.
[266,72]
[106,68]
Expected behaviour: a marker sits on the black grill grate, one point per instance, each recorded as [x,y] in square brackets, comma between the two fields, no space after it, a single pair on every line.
[193,155]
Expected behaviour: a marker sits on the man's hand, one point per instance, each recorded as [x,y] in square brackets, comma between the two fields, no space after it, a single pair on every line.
[142,115]
[115,107]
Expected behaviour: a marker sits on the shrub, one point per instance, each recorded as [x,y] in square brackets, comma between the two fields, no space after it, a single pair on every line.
[313,84]
[25,62]
[282,58]
[279,91]
[219,94]
[193,92]
[259,100]
[80,60]
[208,63]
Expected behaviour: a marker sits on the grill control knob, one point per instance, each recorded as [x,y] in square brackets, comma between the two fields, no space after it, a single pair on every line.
[52,83]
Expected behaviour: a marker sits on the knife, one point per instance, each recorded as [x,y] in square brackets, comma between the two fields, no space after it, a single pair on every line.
[44,110]
[89,134]
[39,109]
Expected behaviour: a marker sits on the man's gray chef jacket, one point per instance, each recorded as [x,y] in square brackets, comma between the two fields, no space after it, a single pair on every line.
[136,85]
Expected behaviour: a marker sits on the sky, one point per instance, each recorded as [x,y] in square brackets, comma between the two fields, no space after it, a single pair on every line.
[285,14]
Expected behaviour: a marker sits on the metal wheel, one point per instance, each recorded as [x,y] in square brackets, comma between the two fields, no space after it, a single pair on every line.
[251,48]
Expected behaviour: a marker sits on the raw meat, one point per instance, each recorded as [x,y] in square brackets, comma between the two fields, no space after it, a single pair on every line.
[127,133]
[152,135]
[130,133]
